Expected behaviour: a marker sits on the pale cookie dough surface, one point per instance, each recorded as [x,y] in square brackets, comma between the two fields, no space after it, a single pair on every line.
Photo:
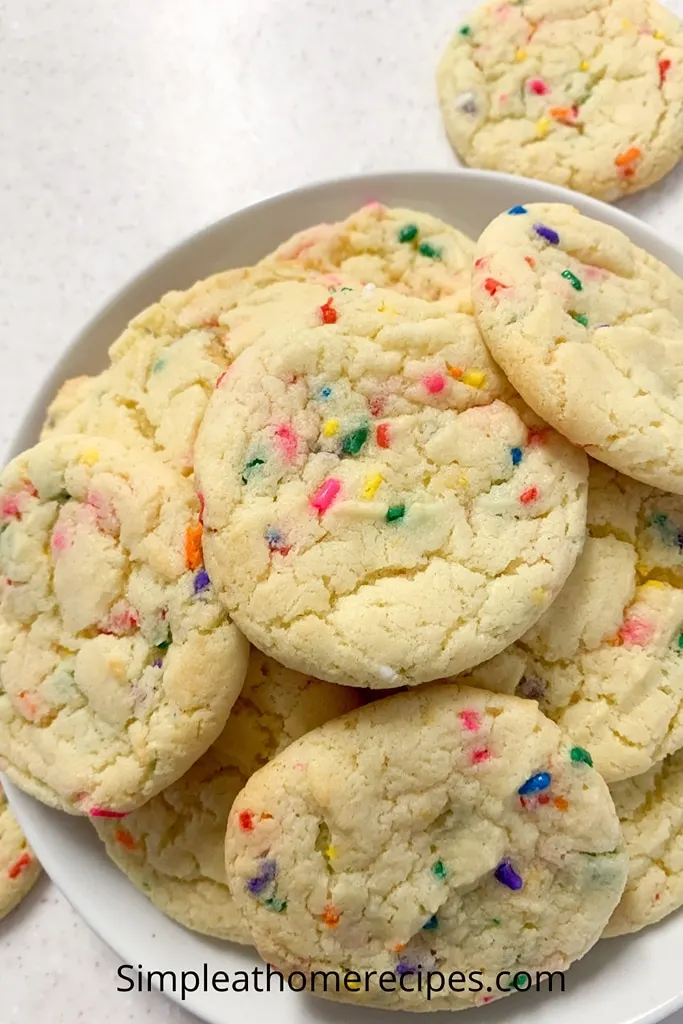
[582,93]
[396,839]
[650,809]
[606,660]
[167,362]
[173,848]
[412,252]
[118,666]
[589,330]
[19,869]
[356,472]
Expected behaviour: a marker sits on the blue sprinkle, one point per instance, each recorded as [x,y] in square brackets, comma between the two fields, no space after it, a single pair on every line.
[266,875]
[535,784]
[518,211]
[506,875]
[517,456]
[158,366]
[325,392]
[404,967]
[547,234]
[431,924]
[201,581]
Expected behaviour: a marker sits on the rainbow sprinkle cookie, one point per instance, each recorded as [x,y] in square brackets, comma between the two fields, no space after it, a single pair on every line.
[357,471]
[439,830]
[19,869]
[650,808]
[589,330]
[118,667]
[173,848]
[580,93]
[411,252]
[606,661]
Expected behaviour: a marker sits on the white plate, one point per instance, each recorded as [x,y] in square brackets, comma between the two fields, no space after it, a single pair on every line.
[623,981]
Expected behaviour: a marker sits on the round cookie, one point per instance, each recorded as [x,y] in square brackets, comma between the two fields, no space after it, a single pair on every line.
[173,848]
[118,666]
[363,469]
[19,869]
[589,330]
[581,93]
[606,660]
[650,808]
[396,839]
[411,252]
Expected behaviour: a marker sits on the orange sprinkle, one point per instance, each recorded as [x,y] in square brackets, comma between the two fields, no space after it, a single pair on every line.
[561,803]
[29,706]
[567,115]
[529,496]
[530,261]
[19,865]
[629,157]
[123,836]
[193,546]
[455,372]
[265,816]
[399,947]
[331,915]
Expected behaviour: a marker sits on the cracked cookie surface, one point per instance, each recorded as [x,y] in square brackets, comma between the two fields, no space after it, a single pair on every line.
[19,869]
[589,330]
[581,93]
[118,666]
[443,829]
[173,848]
[356,472]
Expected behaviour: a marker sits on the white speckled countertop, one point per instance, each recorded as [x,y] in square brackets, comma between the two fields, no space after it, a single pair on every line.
[123,128]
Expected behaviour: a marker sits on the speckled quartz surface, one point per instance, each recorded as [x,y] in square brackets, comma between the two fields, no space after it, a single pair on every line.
[125,127]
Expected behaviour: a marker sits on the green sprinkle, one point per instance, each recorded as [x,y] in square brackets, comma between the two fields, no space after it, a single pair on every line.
[429,250]
[431,924]
[278,906]
[576,284]
[165,644]
[159,365]
[495,920]
[581,756]
[408,233]
[346,289]
[248,468]
[394,513]
[680,641]
[353,442]
[439,870]
[465,31]
[580,319]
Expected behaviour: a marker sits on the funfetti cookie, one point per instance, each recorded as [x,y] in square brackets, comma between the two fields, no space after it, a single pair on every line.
[70,395]
[581,93]
[376,514]
[589,330]
[19,869]
[439,830]
[606,660]
[173,848]
[650,808]
[118,666]
[412,252]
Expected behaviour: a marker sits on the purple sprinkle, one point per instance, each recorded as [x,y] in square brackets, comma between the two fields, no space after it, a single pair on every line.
[547,234]
[266,875]
[158,663]
[404,967]
[201,581]
[506,875]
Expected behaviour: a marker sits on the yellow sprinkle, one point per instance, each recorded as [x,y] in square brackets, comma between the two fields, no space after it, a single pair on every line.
[655,584]
[330,427]
[584,65]
[474,379]
[331,852]
[626,24]
[350,984]
[659,35]
[543,126]
[382,306]
[538,595]
[372,485]
[90,456]
[521,54]
[463,481]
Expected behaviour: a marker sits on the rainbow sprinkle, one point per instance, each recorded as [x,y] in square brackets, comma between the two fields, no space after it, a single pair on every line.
[193,546]
[470,719]
[573,279]
[19,866]
[353,442]
[432,252]
[246,821]
[506,875]
[250,467]
[102,812]
[328,313]
[261,881]
[580,756]
[330,427]
[276,542]
[325,392]
[517,211]
[536,784]
[492,286]
[395,513]
[278,906]
[538,87]
[431,924]
[474,379]
[528,496]
[439,870]
[434,383]
[408,233]
[326,495]
[331,916]
[201,581]
[372,485]
[516,454]
[547,234]
[383,435]
[580,318]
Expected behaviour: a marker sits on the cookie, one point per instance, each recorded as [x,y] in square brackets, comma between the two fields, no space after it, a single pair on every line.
[606,660]
[588,328]
[411,252]
[650,808]
[19,869]
[173,847]
[69,397]
[364,468]
[439,830]
[581,93]
[118,666]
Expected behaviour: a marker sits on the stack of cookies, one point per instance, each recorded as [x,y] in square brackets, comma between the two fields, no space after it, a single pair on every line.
[362,466]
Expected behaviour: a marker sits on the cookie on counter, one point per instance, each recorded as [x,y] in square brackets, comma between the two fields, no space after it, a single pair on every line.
[589,330]
[118,666]
[173,848]
[19,869]
[438,830]
[581,93]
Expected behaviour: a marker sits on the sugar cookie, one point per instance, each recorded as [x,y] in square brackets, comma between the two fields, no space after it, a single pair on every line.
[19,869]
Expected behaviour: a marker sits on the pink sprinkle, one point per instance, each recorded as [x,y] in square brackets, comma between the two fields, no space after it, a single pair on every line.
[636,632]
[487,999]
[470,719]
[480,263]
[376,406]
[529,496]
[202,506]
[9,508]
[538,87]
[537,436]
[325,495]
[60,541]
[299,766]
[480,755]
[102,812]
[434,383]
[221,379]
[288,442]
[123,620]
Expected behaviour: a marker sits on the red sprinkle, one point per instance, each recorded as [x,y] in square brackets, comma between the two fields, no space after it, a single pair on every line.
[123,836]
[471,720]
[492,286]
[544,799]
[19,865]
[221,379]
[102,812]
[538,87]
[480,755]
[664,68]
[328,313]
[529,496]
[202,506]
[434,383]
[9,508]
[481,262]
[383,435]
[331,916]
[530,261]
[246,820]
[636,633]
